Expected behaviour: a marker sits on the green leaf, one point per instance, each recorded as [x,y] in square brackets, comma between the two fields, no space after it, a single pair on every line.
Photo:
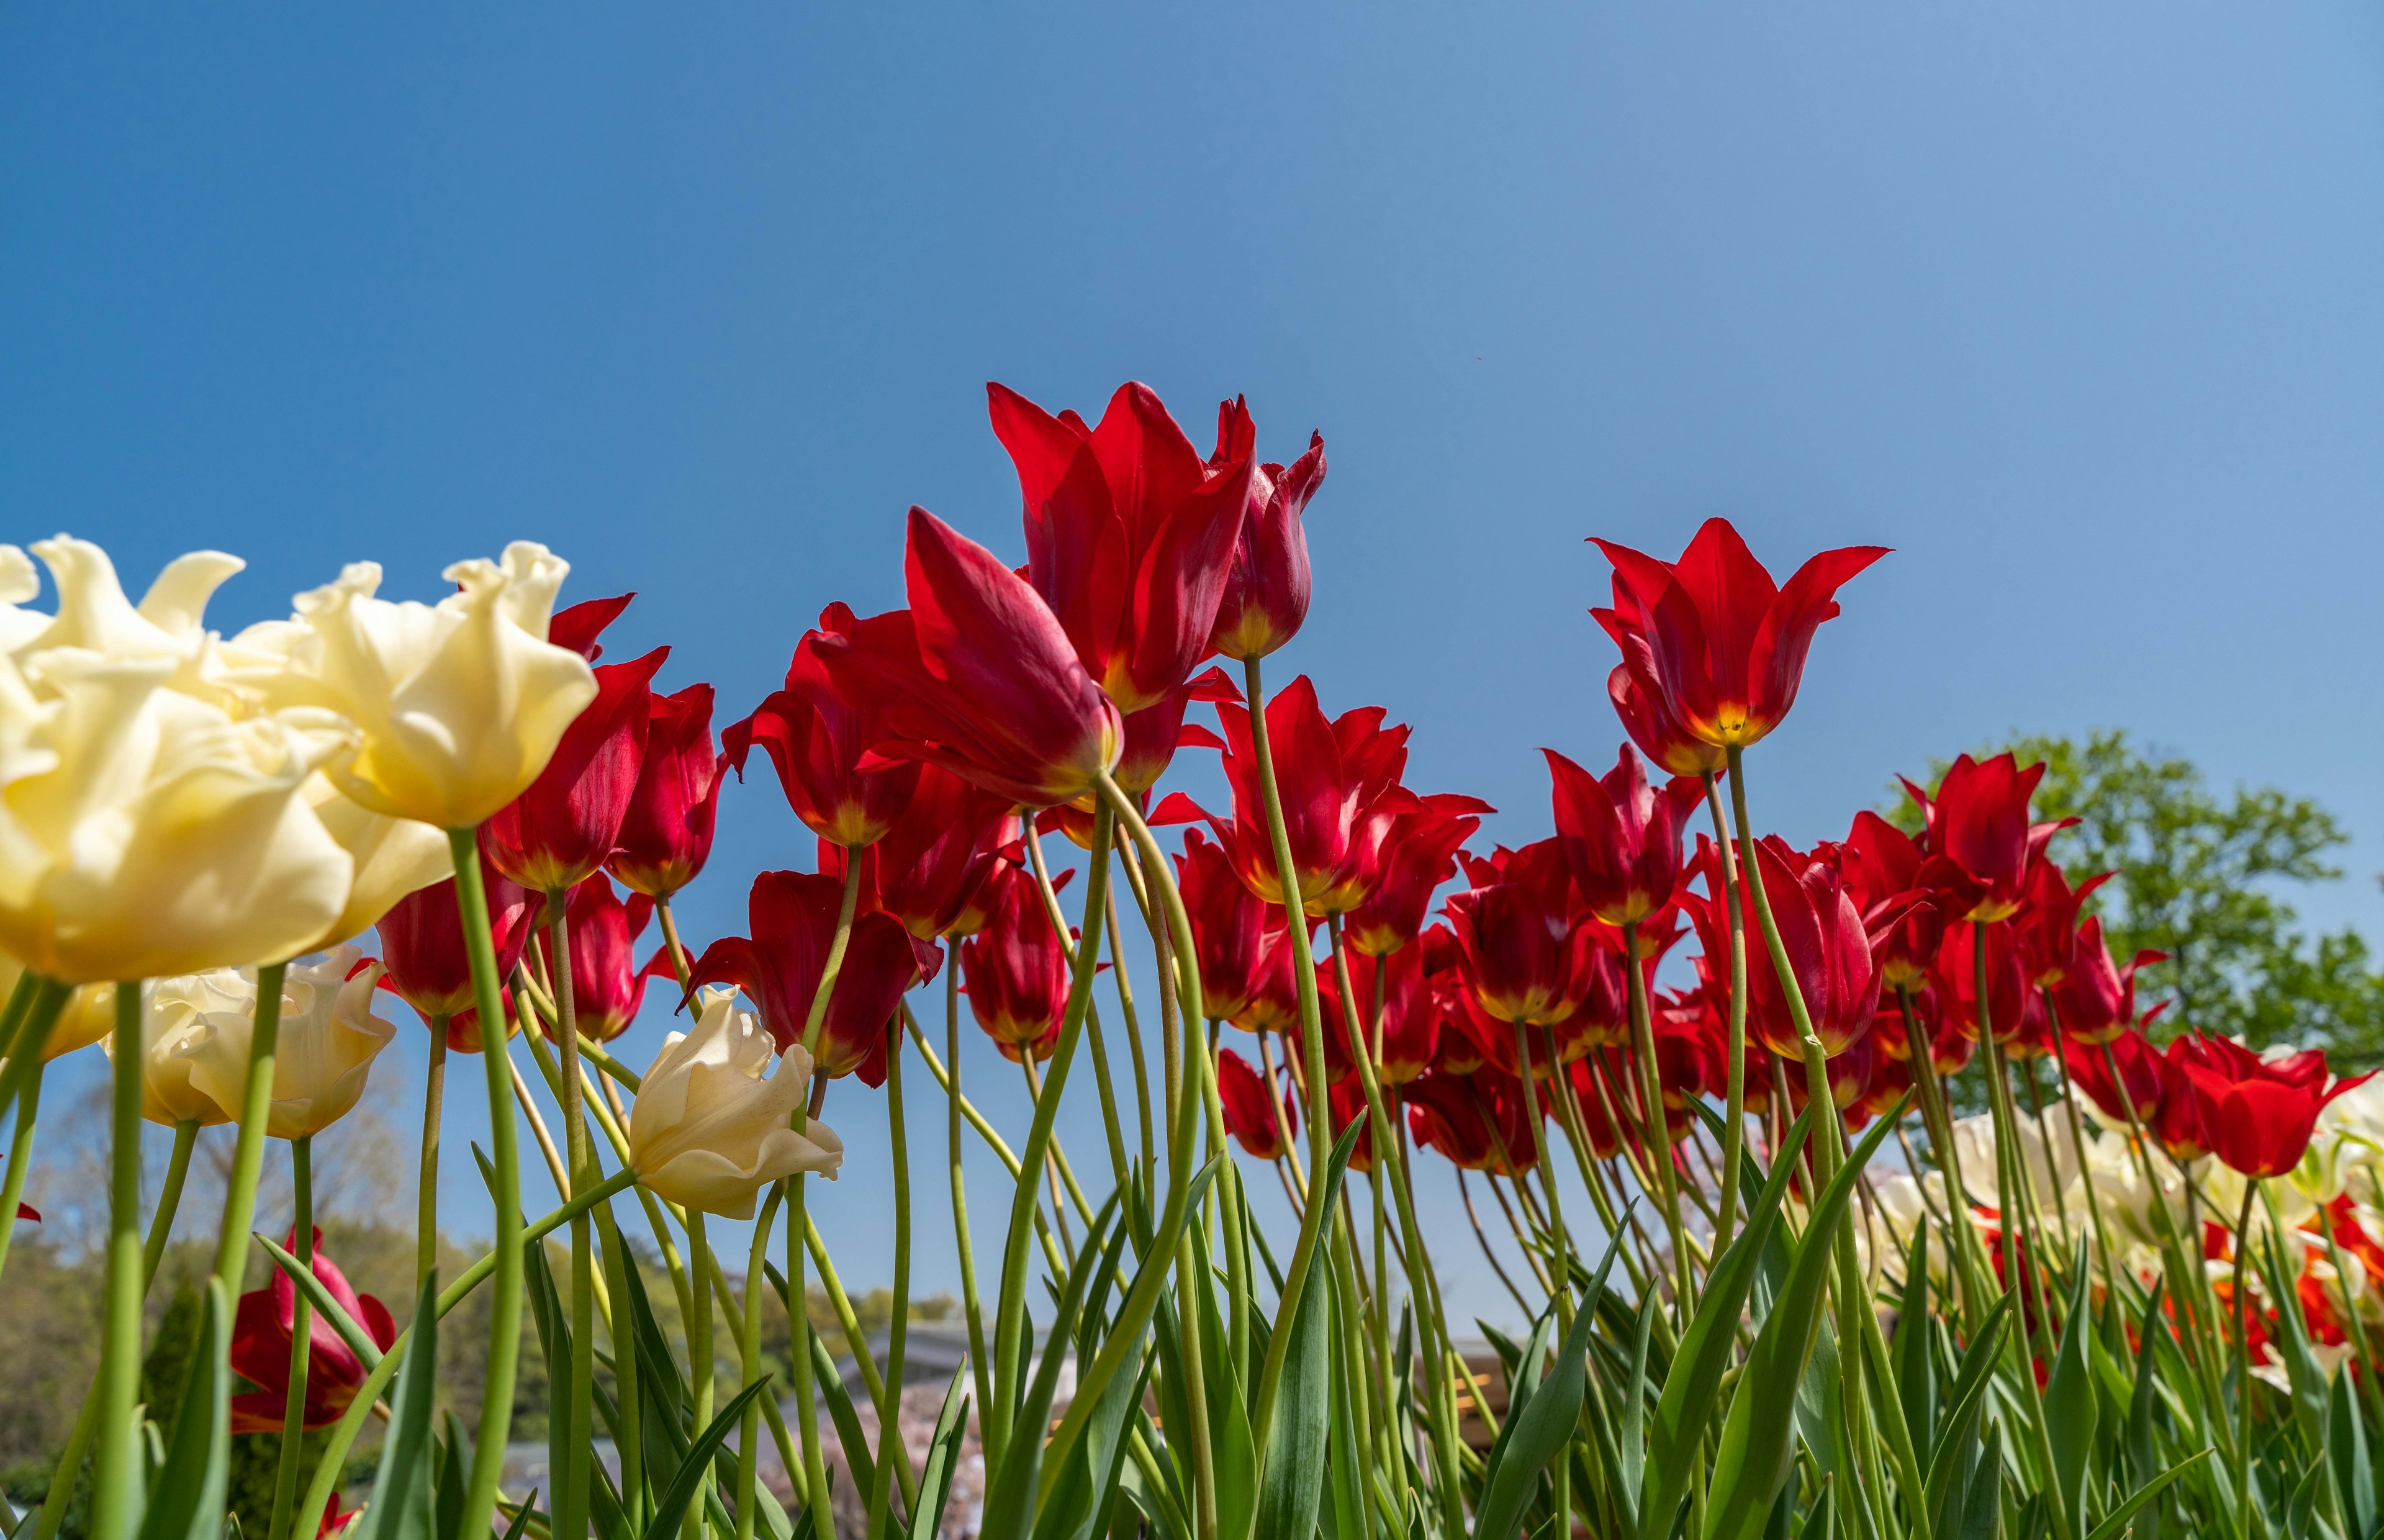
[359,1341]
[672,1505]
[1012,1491]
[1916,1364]
[1634,1446]
[1981,1509]
[400,1508]
[943,1459]
[1291,1477]
[830,1385]
[187,1501]
[2070,1409]
[2117,1524]
[2346,1445]
[1752,1457]
[1957,1431]
[1537,1434]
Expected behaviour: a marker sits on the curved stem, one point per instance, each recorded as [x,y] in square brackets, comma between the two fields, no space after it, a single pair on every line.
[1059,917]
[568,1505]
[115,1484]
[2078,1134]
[961,1239]
[21,1161]
[426,1200]
[248,1154]
[1660,1144]
[1733,1134]
[701,1370]
[749,1362]
[889,1409]
[301,1327]
[505,1156]
[1133,1031]
[2244,1364]
[1965,1239]
[169,1200]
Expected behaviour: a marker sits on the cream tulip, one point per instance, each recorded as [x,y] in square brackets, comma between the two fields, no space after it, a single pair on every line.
[394,857]
[328,1038]
[88,1015]
[459,703]
[172,1020]
[144,832]
[709,1128]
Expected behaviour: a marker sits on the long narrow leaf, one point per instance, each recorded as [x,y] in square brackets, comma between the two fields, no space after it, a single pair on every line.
[400,1508]
[672,1505]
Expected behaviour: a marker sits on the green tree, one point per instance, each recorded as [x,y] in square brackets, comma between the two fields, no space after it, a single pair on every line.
[2202,876]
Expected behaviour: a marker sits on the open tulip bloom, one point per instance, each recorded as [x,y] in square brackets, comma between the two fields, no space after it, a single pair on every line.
[1655,1057]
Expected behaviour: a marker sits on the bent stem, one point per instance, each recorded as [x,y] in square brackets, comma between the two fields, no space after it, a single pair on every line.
[505,1307]
[1659,1146]
[294,1405]
[117,1483]
[961,1237]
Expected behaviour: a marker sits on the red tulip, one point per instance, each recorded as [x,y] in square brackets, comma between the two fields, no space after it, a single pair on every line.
[1266,595]
[2140,1075]
[1455,1049]
[1828,951]
[822,741]
[1250,1111]
[1639,702]
[1346,1100]
[568,823]
[792,916]
[1512,1122]
[422,950]
[977,676]
[2258,1116]
[1445,1114]
[2047,920]
[2177,1127]
[1016,969]
[577,627]
[1421,850]
[1601,1012]
[931,869]
[1129,534]
[1234,933]
[1411,1025]
[666,836]
[1955,982]
[1882,866]
[607,985]
[1725,649]
[1621,835]
[261,1331]
[1339,782]
[2096,997]
[1154,733]
[1516,934]
[1978,821]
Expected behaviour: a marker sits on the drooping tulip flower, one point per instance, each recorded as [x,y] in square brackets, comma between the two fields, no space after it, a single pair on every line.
[148,833]
[1250,1111]
[607,984]
[2257,1115]
[1621,835]
[667,835]
[1725,648]
[1154,733]
[1234,932]
[1977,823]
[934,867]
[460,704]
[1600,1016]
[172,1018]
[1420,854]
[2140,1075]
[1444,1116]
[1411,1024]
[1015,971]
[709,1129]
[820,740]
[329,1039]
[977,676]
[1339,784]
[262,1327]
[2096,997]
[792,917]
[567,824]
[422,951]
[1882,866]
[1828,951]
[1130,534]
[1266,595]
[1515,933]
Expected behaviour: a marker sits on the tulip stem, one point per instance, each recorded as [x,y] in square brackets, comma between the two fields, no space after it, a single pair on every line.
[1659,1146]
[1934,1118]
[1733,1132]
[1312,1038]
[505,1304]
[1125,1005]
[21,1159]
[294,1404]
[961,1237]
[890,1407]
[27,1031]
[569,1504]
[1089,938]
[169,1198]
[248,1153]
[117,1483]
[426,1203]
[748,1359]
[2243,1362]
[2078,1134]
[701,1370]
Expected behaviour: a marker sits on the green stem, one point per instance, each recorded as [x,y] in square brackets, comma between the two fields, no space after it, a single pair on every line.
[301,1327]
[890,1407]
[169,1198]
[749,1360]
[961,1237]
[248,1153]
[2244,1364]
[1933,1116]
[1311,1037]
[1110,1125]
[505,1308]
[1133,1026]
[426,1204]
[21,1159]
[1660,1144]
[701,1370]
[2078,1137]
[1733,1133]
[33,1008]
[117,1483]
[576,1390]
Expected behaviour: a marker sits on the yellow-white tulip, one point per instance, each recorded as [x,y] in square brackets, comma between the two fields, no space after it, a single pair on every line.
[172,1020]
[709,1128]
[459,703]
[90,1012]
[392,856]
[329,1039]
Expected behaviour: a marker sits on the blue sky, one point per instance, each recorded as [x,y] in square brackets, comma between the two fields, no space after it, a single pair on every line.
[2075,307]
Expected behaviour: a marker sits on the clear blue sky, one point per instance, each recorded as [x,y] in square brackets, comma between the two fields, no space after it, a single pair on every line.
[2076,307]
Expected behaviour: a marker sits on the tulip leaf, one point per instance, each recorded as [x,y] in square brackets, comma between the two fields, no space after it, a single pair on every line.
[1752,1458]
[1012,1490]
[303,1277]
[1915,1363]
[400,1508]
[672,1505]
[2116,1525]
[188,1497]
[943,1459]
[1541,1414]
[1291,1480]
[2346,1443]
[841,1412]
[1691,1388]
[2069,1408]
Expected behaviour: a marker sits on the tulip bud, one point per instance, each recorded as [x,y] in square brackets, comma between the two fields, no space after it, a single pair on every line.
[666,836]
[710,1126]
[1016,969]
[568,822]
[423,957]
[329,1039]
[607,986]
[1251,1115]
[173,1022]
[1266,594]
